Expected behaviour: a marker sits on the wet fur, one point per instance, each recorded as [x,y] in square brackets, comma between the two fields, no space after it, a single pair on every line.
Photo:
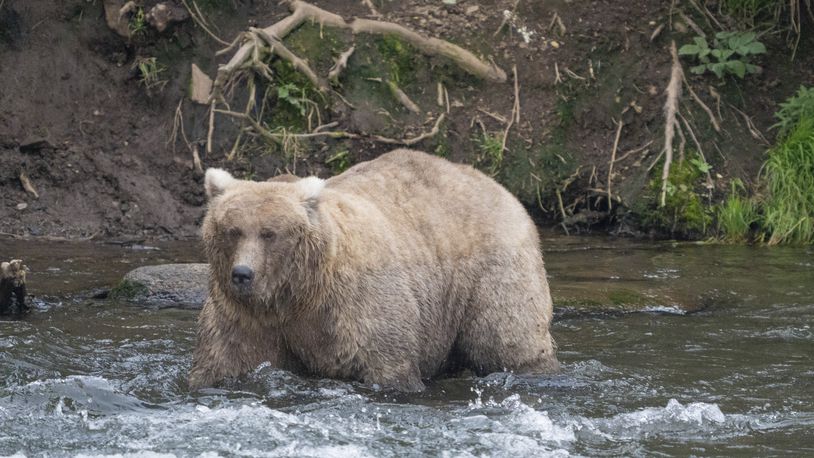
[381,276]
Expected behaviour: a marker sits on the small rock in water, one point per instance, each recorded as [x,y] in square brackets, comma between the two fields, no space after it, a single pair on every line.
[22,206]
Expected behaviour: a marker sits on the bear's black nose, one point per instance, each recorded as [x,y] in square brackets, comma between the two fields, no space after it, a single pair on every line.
[242,275]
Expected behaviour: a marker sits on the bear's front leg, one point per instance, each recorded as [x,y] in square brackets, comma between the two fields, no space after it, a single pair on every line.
[231,342]
[400,377]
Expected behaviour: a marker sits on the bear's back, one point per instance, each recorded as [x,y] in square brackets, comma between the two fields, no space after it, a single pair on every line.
[438,196]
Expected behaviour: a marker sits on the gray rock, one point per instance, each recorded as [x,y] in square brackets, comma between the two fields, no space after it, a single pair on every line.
[162,286]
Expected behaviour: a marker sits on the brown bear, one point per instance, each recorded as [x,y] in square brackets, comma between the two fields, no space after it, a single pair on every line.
[395,271]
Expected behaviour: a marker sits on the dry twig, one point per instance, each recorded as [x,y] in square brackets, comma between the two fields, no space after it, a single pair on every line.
[515,108]
[398,94]
[612,160]
[753,130]
[413,140]
[633,151]
[703,105]
[201,21]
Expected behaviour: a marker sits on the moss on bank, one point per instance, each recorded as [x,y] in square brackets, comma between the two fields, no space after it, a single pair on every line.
[685,213]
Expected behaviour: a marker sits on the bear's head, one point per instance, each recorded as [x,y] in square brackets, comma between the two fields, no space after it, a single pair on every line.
[261,238]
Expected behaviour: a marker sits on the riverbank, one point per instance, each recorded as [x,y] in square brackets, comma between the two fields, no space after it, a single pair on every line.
[99,135]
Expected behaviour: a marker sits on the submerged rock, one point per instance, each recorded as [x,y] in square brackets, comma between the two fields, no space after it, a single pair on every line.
[167,285]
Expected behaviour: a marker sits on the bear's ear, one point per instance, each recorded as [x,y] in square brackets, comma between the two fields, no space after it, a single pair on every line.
[311,187]
[217,181]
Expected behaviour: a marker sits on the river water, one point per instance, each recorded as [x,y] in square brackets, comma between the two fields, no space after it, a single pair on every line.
[83,376]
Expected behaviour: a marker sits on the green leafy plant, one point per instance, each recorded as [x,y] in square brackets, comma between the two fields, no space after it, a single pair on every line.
[684,213]
[700,164]
[287,93]
[150,73]
[732,53]
[794,109]
[138,23]
[736,214]
[490,146]
[339,162]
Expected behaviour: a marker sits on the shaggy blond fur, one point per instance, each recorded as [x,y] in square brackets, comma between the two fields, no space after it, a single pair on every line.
[397,270]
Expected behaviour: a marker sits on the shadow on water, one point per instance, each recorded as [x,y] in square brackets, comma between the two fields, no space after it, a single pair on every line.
[736,377]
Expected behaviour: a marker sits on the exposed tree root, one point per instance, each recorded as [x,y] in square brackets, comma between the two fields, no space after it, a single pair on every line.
[413,140]
[515,115]
[703,105]
[612,160]
[670,110]
[199,19]
[277,47]
[340,65]
[254,47]
[301,12]
[279,137]
[398,94]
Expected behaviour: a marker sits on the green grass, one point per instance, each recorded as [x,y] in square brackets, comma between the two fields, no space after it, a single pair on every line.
[754,12]
[339,161]
[750,8]
[150,71]
[797,107]
[788,211]
[400,57]
[490,151]
[736,215]
[138,23]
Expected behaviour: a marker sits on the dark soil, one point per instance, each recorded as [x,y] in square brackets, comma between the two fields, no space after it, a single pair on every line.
[95,142]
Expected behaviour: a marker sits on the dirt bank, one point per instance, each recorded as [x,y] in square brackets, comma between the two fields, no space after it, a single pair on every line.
[77,118]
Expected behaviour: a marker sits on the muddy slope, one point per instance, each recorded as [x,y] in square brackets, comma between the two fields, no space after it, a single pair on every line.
[94,141]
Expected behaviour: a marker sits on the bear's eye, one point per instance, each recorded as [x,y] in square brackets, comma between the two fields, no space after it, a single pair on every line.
[234,233]
[268,234]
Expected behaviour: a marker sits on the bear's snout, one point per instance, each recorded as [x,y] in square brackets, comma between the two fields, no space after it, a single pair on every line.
[242,275]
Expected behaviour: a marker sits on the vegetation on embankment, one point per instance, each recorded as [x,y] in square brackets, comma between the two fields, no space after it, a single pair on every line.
[780,208]
[577,134]
[778,204]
